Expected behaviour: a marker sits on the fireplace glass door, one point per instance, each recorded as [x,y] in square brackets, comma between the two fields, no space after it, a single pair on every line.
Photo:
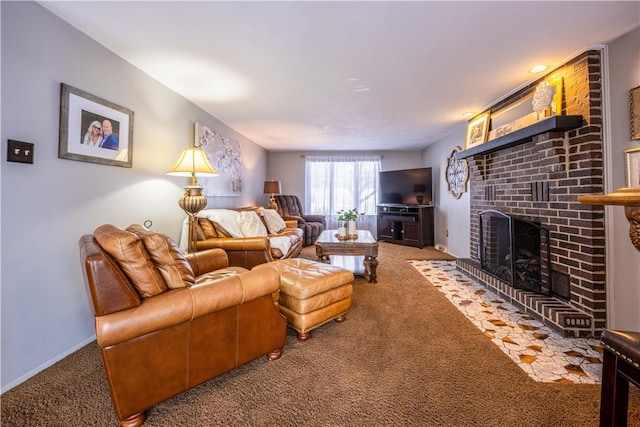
[515,251]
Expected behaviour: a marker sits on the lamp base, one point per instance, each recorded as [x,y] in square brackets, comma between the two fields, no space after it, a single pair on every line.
[272,202]
[192,202]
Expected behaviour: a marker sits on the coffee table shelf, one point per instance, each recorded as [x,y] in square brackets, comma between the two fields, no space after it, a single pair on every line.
[329,248]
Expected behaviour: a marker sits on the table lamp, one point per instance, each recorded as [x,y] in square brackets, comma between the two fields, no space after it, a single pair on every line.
[272,187]
[193,162]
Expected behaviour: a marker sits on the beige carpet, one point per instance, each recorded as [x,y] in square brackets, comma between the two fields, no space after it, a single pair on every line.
[404,357]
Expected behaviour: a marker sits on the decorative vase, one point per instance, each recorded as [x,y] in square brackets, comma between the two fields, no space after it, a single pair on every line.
[351,226]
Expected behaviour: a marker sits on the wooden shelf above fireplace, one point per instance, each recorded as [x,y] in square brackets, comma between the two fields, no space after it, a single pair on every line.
[550,124]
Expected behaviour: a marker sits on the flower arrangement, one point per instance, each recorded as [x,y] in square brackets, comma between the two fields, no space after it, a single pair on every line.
[349,214]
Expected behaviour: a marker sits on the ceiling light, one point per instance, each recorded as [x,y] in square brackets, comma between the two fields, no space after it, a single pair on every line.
[361,88]
[538,69]
[468,114]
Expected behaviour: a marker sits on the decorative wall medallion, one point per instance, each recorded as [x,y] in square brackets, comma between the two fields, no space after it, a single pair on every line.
[456,174]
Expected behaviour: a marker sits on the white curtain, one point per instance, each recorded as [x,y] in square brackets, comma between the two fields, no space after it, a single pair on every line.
[338,182]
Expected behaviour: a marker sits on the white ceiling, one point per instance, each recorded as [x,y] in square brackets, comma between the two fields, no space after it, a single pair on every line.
[335,75]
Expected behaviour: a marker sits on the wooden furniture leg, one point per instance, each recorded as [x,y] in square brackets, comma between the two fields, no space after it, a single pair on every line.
[620,366]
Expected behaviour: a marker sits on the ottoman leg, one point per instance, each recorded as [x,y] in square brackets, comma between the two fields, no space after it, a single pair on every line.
[304,336]
[340,318]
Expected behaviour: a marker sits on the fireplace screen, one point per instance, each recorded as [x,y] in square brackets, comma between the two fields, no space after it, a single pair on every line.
[516,251]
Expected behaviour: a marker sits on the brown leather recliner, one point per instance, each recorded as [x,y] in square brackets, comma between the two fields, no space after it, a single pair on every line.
[166,322]
[290,208]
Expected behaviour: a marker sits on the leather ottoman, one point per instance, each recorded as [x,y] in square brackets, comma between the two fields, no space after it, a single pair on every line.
[312,293]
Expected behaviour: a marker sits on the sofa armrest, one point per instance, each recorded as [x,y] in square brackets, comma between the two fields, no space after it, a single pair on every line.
[154,314]
[291,223]
[182,305]
[297,219]
[235,244]
[208,260]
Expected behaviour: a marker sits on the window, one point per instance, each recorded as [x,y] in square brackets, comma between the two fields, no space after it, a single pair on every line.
[333,183]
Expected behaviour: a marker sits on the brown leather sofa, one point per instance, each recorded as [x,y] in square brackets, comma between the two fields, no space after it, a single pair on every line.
[290,208]
[167,322]
[247,252]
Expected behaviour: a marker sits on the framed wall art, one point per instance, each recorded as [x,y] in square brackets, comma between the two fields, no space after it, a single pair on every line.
[94,130]
[632,167]
[224,155]
[477,130]
[634,112]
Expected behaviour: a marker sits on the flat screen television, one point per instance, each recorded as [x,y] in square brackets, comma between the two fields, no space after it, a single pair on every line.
[406,187]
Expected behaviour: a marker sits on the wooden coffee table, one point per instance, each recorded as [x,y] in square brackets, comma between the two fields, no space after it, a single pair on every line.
[351,253]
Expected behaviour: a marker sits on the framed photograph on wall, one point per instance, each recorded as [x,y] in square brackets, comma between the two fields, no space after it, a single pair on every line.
[632,167]
[94,130]
[477,130]
[634,112]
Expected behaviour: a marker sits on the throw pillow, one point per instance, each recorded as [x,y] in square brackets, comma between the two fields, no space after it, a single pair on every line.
[275,223]
[130,253]
[226,218]
[251,225]
[208,228]
[172,265]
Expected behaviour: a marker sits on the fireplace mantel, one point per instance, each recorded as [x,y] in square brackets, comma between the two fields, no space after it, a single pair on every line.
[520,136]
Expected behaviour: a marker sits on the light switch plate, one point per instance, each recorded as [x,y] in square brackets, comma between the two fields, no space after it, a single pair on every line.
[18,151]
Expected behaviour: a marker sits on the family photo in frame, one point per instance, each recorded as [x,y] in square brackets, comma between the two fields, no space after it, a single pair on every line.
[477,130]
[93,129]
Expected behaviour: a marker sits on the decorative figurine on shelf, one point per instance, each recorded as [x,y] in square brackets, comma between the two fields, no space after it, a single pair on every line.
[542,98]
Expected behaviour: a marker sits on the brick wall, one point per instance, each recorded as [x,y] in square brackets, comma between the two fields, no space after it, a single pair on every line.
[541,180]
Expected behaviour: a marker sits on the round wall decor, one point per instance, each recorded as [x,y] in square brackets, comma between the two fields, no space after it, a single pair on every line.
[456,174]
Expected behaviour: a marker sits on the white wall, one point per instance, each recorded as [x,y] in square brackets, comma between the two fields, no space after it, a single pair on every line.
[623,260]
[452,215]
[47,206]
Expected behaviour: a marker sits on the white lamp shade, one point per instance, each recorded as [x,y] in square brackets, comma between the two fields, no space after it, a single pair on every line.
[192,162]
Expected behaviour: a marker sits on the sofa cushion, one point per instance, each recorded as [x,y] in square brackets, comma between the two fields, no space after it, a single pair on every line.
[275,223]
[130,253]
[251,224]
[216,275]
[172,265]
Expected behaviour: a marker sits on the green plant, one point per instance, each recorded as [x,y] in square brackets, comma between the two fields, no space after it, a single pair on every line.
[349,214]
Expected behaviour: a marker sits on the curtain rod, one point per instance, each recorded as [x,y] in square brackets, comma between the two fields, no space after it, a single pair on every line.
[305,155]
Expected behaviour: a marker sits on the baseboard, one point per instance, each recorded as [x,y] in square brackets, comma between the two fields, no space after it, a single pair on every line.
[46,364]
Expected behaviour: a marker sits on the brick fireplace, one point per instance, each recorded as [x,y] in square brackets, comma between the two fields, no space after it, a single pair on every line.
[539,179]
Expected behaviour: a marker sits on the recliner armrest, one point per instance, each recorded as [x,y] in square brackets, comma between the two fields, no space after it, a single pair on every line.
[315,218]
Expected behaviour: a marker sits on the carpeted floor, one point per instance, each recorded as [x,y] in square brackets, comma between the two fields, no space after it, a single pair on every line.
[404,357]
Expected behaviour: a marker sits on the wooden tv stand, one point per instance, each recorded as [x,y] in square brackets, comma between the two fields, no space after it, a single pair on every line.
[410,225]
